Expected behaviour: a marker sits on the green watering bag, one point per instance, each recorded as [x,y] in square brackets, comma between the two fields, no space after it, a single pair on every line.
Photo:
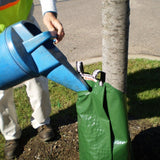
[102,124]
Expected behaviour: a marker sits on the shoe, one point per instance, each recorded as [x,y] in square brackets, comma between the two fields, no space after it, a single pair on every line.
[45,133]
[11,149]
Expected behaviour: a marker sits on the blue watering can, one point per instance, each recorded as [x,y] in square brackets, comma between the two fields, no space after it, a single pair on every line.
[26,52]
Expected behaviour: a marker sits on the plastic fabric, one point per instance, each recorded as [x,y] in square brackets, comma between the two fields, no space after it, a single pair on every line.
[102,124]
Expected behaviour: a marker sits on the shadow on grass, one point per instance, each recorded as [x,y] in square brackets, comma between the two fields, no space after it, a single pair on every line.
[64,117]
[138,83]
[146,145]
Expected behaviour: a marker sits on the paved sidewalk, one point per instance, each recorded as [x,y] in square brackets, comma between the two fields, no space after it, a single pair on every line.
[82,23]
[144,27]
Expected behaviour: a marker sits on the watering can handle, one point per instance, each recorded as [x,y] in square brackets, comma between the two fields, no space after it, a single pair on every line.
[33,43]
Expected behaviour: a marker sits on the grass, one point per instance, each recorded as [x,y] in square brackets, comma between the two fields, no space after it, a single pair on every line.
[143,95]
[144,89]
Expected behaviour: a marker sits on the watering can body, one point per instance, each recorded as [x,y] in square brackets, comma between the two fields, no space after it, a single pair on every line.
[26,52]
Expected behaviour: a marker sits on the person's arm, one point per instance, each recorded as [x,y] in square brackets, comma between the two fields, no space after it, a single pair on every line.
[49,12]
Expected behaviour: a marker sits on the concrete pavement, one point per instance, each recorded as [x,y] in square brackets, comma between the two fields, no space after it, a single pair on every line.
[82,23]
[144,28]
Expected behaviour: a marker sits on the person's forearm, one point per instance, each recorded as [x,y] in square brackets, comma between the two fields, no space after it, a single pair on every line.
[48,6]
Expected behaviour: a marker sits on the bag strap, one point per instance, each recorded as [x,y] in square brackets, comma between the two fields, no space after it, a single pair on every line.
[93,76]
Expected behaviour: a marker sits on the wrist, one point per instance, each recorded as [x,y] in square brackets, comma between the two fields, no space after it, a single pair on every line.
[54,13]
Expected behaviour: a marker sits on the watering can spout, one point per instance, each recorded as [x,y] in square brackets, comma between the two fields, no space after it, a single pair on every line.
[33,43]
[53,64]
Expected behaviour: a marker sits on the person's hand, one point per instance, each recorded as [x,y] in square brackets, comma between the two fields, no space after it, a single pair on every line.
[54,26]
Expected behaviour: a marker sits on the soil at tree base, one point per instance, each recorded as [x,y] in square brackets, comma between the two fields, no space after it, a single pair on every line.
[145,140]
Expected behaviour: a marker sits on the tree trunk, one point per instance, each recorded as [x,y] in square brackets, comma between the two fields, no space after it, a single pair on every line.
[115,23]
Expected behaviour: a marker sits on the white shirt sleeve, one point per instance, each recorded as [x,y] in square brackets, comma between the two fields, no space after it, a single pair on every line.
[48,5]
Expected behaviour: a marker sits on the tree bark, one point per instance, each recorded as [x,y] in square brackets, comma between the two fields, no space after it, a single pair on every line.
[115,32]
